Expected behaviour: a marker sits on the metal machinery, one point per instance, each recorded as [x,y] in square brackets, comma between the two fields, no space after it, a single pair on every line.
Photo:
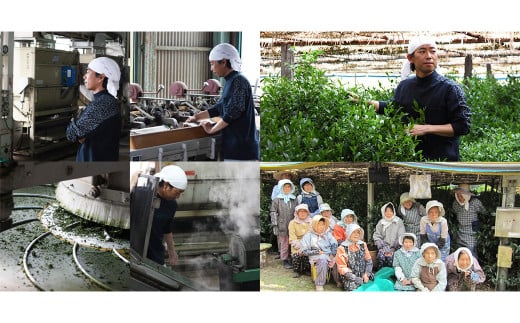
[73,236]
[216,229]
[6,126]
[67,226]
[159,128]
[48,91]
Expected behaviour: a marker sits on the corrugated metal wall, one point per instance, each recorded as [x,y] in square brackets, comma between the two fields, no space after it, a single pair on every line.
[176,56]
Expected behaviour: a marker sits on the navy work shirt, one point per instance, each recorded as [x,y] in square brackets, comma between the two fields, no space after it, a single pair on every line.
[162,224]
[236,107]
[444,102]
[100,125]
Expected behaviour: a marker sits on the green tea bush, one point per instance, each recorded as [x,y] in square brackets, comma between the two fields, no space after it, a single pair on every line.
[312,118]
[495,120]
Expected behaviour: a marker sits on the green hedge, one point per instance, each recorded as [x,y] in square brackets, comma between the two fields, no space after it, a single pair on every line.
[312,118]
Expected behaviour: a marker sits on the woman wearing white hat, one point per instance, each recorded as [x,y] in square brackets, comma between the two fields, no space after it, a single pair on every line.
[429,271]
[98,127]
[298,227]
[464,271]
[434,228]
[281,213]
[326,211]
[447,115]
[467,208]
[240,138]
[411,212]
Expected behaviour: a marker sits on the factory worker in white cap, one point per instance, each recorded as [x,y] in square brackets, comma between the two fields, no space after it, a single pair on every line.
[236,109]
[446,113]
[228,52]
[98,127]
[172,181]
[109,70]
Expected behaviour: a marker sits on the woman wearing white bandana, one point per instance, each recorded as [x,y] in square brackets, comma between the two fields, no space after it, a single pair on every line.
[404,259]
[464,271]
[411,212]
[354,264]
[467,207]
[434,228]
[240,138]
[386,235]
[98,126]
[298,227]
[320,246]
[429,271]
[282,212]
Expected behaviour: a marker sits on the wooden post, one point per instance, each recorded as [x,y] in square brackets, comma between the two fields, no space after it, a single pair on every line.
[287,61]
[489,73]
[370,203]
[468,66]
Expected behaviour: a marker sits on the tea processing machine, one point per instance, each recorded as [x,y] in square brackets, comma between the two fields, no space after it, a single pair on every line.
[215,229]
[159,130]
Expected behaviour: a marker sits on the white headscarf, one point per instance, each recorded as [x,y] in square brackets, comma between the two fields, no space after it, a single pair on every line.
[286,197]
[107,66]
[412,46]
[384,221]
[418,41]
[465,203]
[456,256]
[464,190]
[226,51]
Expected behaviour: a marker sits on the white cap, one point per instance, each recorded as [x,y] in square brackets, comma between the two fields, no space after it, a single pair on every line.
[436,203]
[325,207]
[226,51]
[174,175]
[107,66]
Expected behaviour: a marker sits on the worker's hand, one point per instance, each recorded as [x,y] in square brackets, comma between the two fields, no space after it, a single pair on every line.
[81,140]
[365,278]
[353,97]
[173,258]
[418,130]
[191,119]
[207,126]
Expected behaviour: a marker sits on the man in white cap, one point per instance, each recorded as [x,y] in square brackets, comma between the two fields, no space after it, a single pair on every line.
[172,183]
[98,126]
[447,115]
[235,107]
